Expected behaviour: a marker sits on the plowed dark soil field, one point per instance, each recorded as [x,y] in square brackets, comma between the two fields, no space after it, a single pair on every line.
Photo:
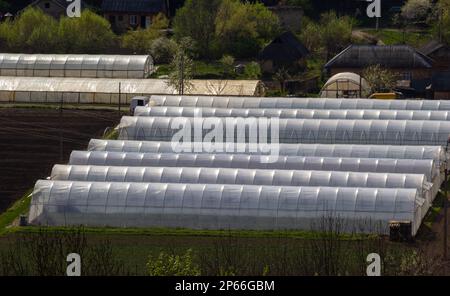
[30,143]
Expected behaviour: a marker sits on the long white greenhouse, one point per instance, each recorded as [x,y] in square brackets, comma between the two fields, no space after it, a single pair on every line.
[324,131]
[437,153]
[426,167]
[210,206]
[190,175]
[106,90]
[297,103]
[294,113]
[76,65]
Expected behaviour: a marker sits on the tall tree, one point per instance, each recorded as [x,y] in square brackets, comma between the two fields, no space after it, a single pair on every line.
[89,33]
[196,20]
[243,28]
[181,67]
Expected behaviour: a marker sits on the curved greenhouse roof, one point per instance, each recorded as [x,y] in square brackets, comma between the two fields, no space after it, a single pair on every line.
[210,206]
[190,175]
[76,65]
[436,153]
[324,131]
[169,111]
[298,103]
[403,166]
[345,85]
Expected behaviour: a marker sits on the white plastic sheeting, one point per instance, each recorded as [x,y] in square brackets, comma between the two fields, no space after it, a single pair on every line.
[294,113]
[236,176]
[104,90]
[210,206]
[189,175]
[324,131]
[403,166]
[437,153]
[297,103]
[345,85]
[76,65]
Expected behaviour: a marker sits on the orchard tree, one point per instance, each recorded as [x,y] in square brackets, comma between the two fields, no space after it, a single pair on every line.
[379,79]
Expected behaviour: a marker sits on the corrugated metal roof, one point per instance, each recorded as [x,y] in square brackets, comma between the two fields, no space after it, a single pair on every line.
[137,6]
[389,56]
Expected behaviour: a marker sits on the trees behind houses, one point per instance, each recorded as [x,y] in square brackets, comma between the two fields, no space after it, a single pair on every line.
[226,27]
[328,36]
[33,31]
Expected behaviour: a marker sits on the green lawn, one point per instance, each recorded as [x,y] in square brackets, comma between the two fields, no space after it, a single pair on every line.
[391,36]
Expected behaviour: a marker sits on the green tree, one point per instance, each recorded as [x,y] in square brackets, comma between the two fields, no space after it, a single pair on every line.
[196,20]
[163,50]
[181,67]
[441,27]
[89,33]
[243,28]
[252,70]
[140,41]
[227,63]
[331,34]
[32,31]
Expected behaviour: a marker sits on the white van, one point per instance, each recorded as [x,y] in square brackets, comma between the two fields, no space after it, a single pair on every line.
[138,101]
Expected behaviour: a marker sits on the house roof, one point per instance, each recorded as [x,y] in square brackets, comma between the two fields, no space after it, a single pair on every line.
[62,3]
[142,6]
[431,47]
[441,81]
[389,56]
[285,47]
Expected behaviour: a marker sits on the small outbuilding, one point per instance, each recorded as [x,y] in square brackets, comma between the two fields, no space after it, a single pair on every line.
[345,85]
[440,86]
[285,51]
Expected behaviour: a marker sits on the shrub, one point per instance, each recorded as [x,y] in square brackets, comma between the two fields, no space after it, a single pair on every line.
[173,265]
[163,50]
[252,71]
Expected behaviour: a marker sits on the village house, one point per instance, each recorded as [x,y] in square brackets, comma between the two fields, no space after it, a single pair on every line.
[125,14]
[54,8]
[440,86]
[439,52]
[414,69]
[285,51]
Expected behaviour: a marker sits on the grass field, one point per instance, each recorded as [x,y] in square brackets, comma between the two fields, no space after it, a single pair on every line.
[392,37]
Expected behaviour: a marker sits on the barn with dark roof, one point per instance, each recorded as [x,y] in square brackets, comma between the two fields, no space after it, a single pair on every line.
[285,51]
